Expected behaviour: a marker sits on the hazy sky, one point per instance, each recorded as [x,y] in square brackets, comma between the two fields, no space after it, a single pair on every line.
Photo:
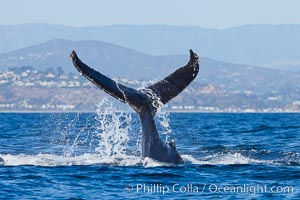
[204,13]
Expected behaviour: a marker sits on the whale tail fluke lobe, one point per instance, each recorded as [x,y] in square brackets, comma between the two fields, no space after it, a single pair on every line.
[100,80]
[119,91]
[173,84]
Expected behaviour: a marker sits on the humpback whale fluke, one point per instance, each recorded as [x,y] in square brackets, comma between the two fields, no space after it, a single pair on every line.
[146,102]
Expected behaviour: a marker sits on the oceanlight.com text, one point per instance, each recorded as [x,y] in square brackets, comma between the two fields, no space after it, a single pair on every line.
[208,188]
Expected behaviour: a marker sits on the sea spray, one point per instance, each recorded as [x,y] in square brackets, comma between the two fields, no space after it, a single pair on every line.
[112,126]
[113,132]
[65,134]
[162,117]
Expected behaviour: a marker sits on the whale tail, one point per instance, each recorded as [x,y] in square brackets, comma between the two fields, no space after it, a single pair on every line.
[165,89]
[146,101]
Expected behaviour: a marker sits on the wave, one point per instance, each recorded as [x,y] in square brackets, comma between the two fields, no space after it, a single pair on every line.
[48,160]
[223,159]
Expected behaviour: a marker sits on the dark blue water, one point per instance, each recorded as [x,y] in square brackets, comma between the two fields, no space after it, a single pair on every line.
[228,156]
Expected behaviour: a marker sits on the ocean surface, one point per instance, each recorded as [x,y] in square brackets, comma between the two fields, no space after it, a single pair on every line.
[97,156]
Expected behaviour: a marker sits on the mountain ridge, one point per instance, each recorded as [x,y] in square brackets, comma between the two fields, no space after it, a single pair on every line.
[276,46]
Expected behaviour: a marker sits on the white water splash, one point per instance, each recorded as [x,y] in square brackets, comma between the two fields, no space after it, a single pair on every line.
[163,120]
[105,142]
[113,127]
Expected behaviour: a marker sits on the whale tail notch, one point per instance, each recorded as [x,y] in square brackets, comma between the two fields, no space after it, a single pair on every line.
[165,89]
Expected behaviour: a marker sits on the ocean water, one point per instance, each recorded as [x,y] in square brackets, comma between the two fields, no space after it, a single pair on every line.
[97,156]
